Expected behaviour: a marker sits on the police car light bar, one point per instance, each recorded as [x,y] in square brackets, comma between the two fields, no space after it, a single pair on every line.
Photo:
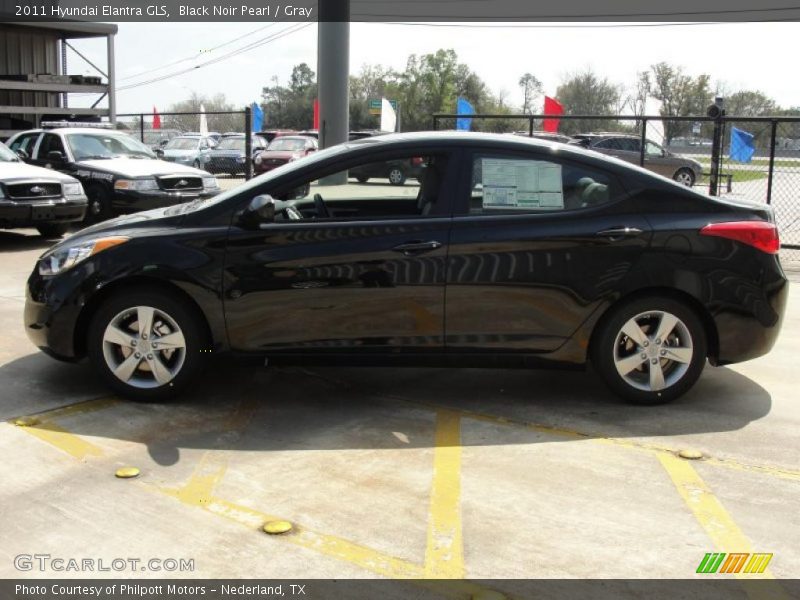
[61,124]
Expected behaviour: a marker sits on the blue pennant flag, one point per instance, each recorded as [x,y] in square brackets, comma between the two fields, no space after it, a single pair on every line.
[258,117]
[464,108]
[742,145]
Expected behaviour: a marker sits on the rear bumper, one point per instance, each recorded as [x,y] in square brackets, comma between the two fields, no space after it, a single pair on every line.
[31,214]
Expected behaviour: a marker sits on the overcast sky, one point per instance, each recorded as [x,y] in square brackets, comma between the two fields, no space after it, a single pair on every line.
[743,55]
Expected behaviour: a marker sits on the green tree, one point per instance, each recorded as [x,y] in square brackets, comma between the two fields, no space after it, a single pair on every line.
[681,95]
[586,93]
[532,90]
[290,106]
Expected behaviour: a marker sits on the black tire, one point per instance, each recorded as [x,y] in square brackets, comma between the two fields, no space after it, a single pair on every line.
[684,176]
[396,176]
[362,179]
[175,308]
[99,207]
[678,376]
[52,230]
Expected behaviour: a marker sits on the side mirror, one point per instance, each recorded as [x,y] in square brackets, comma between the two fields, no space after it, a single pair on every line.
[159,152]
[56,156]
[22,154]
[261,209]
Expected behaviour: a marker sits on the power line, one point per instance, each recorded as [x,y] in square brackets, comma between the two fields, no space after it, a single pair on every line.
[238,51]
[193,57]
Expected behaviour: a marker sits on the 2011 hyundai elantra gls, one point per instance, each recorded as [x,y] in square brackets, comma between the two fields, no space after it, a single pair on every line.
[508,252]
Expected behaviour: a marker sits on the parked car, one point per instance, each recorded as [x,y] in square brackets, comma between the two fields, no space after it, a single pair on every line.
[120,174]
[271,134]
[546,135]
[187,150]
[282,150]
[156,138]
[35,197]
[229,156]
[628,147]
[396,171]
[556,257]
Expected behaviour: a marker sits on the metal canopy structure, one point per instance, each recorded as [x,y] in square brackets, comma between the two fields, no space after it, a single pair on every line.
[34,77]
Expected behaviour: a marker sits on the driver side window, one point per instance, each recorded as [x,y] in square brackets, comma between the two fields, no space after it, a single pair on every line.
[402,187]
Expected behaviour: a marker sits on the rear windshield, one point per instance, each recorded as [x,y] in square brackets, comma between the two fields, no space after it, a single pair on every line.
[290,144]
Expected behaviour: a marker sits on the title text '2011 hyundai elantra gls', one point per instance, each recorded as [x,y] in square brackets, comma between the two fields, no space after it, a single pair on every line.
[507,252]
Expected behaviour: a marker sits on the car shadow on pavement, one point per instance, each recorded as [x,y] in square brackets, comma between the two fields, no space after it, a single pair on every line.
[15,241]
[241,407]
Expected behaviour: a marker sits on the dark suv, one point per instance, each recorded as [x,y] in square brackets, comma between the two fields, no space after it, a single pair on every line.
[656,159]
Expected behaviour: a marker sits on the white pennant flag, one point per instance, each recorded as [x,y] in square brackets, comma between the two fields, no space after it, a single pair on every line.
[388,116]
[203,122]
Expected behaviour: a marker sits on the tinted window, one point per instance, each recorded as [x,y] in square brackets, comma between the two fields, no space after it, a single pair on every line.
[347,197]
[513,184]
[609,144]
[629,144]
[50,143]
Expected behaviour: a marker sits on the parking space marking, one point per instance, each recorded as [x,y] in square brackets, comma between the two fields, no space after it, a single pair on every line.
[444,555]
[717,522]
[46,429]
[199,492]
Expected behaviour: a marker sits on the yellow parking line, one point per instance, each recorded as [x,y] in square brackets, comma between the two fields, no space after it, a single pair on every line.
[717,523]
[62,439]
[43,426]
[444,555]
[199,490]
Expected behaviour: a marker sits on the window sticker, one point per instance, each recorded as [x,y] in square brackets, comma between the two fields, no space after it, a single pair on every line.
[521,184]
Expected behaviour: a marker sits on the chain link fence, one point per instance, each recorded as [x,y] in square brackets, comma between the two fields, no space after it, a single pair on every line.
[692,150]
[226,148]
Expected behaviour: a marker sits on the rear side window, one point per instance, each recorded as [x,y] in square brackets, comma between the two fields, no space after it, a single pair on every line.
[512,184]
[50,143]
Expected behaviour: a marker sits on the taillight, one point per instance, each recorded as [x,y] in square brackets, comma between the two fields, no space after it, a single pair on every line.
[417,161]
[759,234]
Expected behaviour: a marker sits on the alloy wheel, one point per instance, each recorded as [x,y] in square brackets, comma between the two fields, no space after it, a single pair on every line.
[684,178]
[144,347]
[653,351]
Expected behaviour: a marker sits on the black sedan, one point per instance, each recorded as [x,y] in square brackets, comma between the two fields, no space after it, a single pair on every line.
[552,257]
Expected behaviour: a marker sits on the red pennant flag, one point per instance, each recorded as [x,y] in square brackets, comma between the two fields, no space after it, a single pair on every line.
[156,119]
[316,114]
[552,107]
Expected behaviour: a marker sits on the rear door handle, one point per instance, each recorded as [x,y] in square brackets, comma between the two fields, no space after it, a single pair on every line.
[412,248]
[618,233]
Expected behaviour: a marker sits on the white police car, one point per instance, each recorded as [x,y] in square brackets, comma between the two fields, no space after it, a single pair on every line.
[120,174]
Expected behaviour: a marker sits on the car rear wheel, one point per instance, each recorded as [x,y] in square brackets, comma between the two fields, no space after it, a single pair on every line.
[52,230]
[146,344]
[396,176]
[651,350]
[362,179]
[99,206]
[684,176]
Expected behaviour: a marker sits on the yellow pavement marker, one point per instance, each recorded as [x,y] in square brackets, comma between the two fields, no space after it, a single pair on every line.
[444,556]
[199,492]
[127,472]
[717,523]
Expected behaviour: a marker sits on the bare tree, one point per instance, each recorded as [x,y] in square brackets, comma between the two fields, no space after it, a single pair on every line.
[532,89]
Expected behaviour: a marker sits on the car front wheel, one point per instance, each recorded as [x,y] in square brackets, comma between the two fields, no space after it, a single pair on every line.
[684,177]
[651,350]
[146,344]
[52,230]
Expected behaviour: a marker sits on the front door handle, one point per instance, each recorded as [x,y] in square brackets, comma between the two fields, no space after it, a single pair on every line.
[618,233]
[416,247]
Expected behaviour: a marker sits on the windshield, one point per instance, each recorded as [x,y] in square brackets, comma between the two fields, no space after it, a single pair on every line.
[231,143]
[183,143]
[290,144]
[6,155]
[105,145]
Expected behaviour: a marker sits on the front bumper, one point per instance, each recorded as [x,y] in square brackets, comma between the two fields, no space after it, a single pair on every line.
[37,212]
[130,201]
[50,315]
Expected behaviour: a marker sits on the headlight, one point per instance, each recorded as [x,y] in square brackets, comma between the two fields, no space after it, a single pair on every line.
[210,183]
[72,189]
[258,159]
[139,185]
[206,158]
[66,257]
